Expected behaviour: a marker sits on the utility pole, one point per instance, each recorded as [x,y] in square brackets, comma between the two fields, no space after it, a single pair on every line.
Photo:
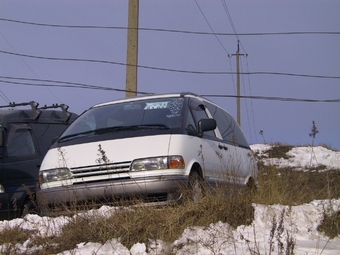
[238,81]
[132,49]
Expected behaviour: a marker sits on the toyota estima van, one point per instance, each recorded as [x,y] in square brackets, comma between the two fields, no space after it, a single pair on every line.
[146,147]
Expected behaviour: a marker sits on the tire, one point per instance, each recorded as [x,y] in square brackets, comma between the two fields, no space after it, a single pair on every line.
[251,186]
[196,188]
[28,208]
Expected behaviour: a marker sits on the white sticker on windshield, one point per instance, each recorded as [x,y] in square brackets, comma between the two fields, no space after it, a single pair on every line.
[156,105]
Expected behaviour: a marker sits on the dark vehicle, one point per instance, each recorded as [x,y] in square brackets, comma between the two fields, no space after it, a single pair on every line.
[25,137]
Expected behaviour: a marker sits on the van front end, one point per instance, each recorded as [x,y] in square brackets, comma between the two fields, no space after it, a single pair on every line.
[88,174]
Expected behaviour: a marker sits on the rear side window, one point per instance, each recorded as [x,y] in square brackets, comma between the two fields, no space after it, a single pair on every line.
[45,134]
[20,143]
[230,130]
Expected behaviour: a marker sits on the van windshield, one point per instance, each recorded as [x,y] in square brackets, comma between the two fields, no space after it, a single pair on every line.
[156,113]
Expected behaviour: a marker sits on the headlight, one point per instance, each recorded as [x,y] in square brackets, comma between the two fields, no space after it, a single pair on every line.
[52,175]
[2,189]
[158,163]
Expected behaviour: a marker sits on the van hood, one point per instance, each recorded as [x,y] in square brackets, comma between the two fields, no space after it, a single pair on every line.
[108,151]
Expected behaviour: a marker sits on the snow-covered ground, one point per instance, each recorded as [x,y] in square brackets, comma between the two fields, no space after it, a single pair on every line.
[301,158]
[273,230]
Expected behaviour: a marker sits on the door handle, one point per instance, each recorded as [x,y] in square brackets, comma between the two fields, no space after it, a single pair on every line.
[221,146]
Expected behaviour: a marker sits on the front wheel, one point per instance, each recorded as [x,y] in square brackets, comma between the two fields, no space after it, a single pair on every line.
[196,188]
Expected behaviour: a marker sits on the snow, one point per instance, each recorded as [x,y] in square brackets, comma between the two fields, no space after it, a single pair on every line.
[269,233]
[302,157]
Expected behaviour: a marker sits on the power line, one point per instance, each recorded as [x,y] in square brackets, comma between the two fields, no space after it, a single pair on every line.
[60,84]
[173,70]
[237,67]
[28,68]
[211,27]
[231,22]
[251,102]
[247,107]
[229,18]
[175,30]
[4,97]
[65,84]
[289,99]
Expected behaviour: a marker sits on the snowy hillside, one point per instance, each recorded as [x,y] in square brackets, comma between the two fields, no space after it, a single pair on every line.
[275,229]
[301,158]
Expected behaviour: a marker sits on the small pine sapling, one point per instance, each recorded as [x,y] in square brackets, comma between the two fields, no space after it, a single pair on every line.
[313,134]
[262,134]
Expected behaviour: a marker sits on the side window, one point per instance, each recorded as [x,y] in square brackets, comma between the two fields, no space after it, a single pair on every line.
[20,143]
[190,125]
[198,112]
[242,141]
[230,131]
[224,124]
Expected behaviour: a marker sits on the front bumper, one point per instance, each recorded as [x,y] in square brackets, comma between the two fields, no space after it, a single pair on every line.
[157,190]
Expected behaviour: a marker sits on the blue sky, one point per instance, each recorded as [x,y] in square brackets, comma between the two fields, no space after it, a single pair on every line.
[287,122]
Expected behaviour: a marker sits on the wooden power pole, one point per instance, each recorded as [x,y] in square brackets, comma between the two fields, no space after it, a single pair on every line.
[132,49]
[238,82]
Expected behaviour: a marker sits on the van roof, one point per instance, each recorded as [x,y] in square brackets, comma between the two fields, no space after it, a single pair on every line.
[151,96]
[35,114]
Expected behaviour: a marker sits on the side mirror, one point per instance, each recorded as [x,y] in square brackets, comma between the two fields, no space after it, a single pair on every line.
[206,125]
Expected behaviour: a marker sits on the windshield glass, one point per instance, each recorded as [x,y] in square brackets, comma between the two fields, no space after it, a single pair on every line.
[158,112]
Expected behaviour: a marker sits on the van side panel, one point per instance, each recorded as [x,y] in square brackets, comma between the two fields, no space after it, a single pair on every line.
[233,164]
[197,150]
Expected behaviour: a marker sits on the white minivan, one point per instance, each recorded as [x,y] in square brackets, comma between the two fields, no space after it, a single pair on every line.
[147,147]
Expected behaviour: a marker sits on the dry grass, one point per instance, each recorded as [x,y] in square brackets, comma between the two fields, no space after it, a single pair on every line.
[140,224]
[288,187]
[331,225]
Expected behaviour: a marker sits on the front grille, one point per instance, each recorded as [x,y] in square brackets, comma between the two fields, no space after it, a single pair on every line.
[103,169]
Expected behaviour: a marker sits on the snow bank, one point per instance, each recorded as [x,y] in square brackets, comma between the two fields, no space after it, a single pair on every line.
[302,157]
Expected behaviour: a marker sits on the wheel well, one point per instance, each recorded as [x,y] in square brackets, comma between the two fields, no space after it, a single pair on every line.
[251,183]
[196,168]
[28,198]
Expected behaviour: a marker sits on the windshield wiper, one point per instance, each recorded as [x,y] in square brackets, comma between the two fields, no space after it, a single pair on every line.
[152,126]
[109,129]
[95,131]
[132,127]
[66,137]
